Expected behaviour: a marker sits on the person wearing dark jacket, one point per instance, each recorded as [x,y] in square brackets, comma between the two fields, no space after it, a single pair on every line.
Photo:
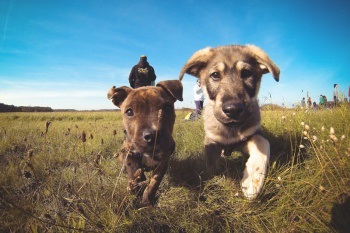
[142,74]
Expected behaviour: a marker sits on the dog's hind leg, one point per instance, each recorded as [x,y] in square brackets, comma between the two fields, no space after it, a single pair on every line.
[254,174]
[227,151]
[212,154]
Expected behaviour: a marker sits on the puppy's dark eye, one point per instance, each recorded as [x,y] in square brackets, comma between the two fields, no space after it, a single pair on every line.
[246,73]
[168,107]
[215,76]
[129,112]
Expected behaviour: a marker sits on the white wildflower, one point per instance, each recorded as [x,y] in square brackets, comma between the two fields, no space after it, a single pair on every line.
[322,128]
[331,130]
[279,178]
[305,133]
[301,146]
[302,123]
[307,127]
[342,137]
[333,138]
[314,138]
[321,188]
[283,118]
[293,113]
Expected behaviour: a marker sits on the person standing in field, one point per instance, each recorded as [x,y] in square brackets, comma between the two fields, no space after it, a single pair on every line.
[335,94]
[309,102]
[321,101]
[198,97]
[303,104]
[142,74]
[325,101]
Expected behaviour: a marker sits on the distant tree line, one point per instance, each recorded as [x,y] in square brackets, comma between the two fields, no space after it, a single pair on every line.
[11,108]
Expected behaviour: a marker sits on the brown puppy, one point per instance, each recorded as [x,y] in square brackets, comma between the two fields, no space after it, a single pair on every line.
[148,117]
[231,77]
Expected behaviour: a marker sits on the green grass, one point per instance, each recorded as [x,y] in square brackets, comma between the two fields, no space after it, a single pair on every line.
[53,181]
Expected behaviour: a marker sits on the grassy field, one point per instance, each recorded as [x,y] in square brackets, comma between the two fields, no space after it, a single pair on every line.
[58,173]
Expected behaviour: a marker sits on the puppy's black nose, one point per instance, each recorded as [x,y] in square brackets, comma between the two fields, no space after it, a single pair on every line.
[148,136]
[233,110]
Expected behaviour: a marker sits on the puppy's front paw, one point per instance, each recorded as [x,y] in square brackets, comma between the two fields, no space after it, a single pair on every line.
[252,184]
[136,188]
[256,167]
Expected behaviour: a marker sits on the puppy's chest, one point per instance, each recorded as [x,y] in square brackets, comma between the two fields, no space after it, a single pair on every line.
[150,161]
[229,135]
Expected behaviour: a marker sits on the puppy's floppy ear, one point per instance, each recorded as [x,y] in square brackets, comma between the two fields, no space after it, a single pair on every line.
[198,61]
[174,87]
[266,63]
[118,95]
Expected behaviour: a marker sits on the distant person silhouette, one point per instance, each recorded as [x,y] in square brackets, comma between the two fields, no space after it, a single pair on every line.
[198,97]
[142,74]
[303,103]
[321,101]
[335,94]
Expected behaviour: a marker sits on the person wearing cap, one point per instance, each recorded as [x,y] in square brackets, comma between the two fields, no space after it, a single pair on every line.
[142,74]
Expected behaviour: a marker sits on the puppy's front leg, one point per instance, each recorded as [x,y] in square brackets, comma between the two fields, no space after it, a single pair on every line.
[148,197]
[132,167]
[212,154]
[254,174]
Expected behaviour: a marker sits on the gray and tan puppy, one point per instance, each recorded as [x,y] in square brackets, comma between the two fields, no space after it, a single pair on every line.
[231,77]
[148,118]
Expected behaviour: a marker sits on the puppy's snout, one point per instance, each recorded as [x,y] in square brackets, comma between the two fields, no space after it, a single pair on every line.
[148,136]
[233,110]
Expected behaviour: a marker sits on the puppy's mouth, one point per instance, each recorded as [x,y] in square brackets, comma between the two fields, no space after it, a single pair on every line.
[160,145]
[146,149]
[149,143]
[233,123]
[234,114]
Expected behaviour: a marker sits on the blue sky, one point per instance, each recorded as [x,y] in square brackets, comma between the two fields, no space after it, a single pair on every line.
[67,54]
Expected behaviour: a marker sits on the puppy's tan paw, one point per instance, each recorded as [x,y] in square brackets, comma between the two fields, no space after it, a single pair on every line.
[252,184]
[256,167]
